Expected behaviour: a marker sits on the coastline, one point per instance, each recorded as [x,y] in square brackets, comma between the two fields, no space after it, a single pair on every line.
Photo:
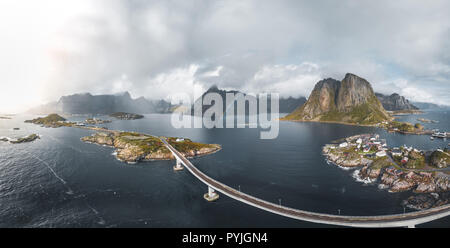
[132,147]
[418,132]
[333,122]
[373,162]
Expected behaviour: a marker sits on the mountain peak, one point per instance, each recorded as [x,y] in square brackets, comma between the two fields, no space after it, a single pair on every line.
[351,100]
[349,75]
[124,94]
[395,102]
[213,88]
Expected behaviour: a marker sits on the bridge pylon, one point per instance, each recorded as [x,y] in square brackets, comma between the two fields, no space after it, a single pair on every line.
[211,195]
[177,166]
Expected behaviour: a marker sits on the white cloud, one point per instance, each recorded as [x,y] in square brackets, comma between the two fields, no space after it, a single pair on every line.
[287,80]
[416,94]
[55,47]
[177,81]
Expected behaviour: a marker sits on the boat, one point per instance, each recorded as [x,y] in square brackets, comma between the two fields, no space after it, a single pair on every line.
[431,138]
[439,135]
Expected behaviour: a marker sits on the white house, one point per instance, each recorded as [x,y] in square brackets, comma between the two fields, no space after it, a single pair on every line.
[396,152]
[342,145]
[381,154]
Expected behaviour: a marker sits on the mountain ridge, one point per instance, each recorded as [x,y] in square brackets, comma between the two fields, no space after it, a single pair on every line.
[395,102]
[286,105]
[87,103]
[351,100]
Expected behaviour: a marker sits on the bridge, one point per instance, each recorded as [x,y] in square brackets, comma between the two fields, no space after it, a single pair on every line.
[397,220]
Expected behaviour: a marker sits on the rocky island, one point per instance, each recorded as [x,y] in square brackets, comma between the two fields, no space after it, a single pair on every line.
[29,138]
[126,116]
[52,120]
[405,112]
[427,120]
[396,169]
[5,118]
[95,121]
[133,147]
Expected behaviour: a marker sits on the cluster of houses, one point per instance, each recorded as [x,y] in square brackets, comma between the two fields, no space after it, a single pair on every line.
[372,146]
[403,152]
[368,143]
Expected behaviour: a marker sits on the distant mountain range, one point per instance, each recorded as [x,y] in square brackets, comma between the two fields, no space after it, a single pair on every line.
[351,100]
[325,90]
[103,104]
[395,102]
[286,105]
[430,106]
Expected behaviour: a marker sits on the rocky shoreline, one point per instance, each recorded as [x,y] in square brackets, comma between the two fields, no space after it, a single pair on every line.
[29,138]
[380,167]
[135,147]
[126,116]
[95,121]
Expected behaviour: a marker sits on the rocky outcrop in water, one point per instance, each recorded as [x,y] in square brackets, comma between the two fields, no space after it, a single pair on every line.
[419,182]
[52,120]
[126,116]
[426,201]
[370,173]
[29,138]
[134,147]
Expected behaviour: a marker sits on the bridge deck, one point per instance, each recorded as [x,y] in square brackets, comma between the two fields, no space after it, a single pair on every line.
[398,220]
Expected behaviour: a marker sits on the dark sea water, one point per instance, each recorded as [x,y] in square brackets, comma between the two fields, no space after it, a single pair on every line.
[59,181]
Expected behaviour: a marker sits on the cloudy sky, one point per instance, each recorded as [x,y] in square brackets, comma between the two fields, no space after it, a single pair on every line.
[50,48]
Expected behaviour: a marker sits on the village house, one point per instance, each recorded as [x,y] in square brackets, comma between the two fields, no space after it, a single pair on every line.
[342,145]
[381,154]
[396,152]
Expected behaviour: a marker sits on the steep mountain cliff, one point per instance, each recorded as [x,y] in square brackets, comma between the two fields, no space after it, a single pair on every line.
[351,100]
[395,102]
